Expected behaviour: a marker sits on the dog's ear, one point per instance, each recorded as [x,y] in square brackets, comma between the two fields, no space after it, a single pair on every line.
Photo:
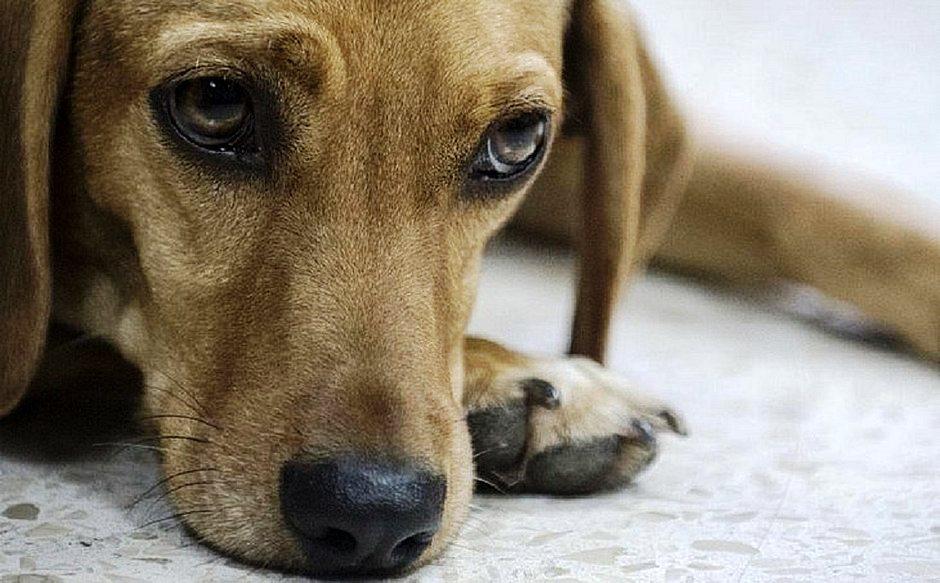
[635,159]
[34,53]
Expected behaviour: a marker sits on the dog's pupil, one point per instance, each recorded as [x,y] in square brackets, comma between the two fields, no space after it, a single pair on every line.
[211,110]
[518,140]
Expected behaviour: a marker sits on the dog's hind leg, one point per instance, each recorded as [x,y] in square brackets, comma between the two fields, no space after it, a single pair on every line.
[751,222]
[754,219]
[557,425]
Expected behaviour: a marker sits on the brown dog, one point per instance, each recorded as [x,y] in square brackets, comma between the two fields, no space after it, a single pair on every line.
[277,211]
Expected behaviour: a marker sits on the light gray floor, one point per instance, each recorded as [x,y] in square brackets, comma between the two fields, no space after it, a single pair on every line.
[812,458]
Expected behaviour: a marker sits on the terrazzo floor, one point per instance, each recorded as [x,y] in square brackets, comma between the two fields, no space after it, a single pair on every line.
[812,457]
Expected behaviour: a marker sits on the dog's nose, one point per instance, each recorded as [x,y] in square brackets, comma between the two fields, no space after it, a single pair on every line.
[355,516]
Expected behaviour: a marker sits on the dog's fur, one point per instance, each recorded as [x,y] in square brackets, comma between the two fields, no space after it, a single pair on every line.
[319,306]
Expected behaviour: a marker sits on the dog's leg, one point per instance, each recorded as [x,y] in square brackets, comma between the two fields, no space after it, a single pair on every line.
[751,222]
[557,425]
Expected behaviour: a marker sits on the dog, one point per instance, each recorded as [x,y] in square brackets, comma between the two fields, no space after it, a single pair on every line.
[277,211]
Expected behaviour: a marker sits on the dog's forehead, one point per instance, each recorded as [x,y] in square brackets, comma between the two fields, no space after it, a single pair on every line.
[395,30]
[433,73]
[401,59]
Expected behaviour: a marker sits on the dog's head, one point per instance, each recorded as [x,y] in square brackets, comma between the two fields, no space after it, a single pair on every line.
[277,210]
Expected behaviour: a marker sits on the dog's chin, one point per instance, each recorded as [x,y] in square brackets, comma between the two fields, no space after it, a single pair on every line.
[292,560]
[301,567]
[246,522]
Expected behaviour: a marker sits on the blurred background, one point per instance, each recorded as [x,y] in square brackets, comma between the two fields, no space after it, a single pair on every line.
[855,82]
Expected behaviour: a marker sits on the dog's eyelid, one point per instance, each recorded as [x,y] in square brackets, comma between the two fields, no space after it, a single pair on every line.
[528,103]
[223,71]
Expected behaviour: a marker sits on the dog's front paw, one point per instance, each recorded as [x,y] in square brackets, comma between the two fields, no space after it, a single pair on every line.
[565,426]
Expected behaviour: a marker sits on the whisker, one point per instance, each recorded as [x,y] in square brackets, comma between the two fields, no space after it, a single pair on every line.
[169,492]
[514,482]
[172,437]
[166,480]
[167,391]
[176,516]
[492,449]
[463,547]
[193,542]
[476,528]
[488,483]
[125,446]
[186,392]
[193,539]
[187,417]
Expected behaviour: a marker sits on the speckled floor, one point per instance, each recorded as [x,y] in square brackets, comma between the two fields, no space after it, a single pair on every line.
[812,458]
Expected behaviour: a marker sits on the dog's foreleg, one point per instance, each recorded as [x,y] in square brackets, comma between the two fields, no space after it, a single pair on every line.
[557,425]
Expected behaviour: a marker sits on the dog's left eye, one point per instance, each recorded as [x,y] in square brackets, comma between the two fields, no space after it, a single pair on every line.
[213,113]
[511,147]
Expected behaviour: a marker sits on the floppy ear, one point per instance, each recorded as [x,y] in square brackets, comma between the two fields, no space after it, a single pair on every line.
[635,159]
[34,54]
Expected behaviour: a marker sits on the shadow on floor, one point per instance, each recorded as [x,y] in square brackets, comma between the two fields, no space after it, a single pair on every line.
[85,394]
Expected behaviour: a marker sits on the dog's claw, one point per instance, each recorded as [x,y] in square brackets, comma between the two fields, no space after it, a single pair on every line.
[641,431]
[675,422]
[542,394]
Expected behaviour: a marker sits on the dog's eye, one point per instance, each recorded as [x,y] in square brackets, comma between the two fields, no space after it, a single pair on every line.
[510,147]
[212,112]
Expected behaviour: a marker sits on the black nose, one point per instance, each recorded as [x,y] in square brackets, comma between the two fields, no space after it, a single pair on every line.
[356,517]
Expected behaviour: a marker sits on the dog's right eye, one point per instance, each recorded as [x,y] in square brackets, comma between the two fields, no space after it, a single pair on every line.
[511,149]
[213,113]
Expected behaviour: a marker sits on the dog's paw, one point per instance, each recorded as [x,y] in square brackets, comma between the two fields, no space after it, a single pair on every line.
[565,426]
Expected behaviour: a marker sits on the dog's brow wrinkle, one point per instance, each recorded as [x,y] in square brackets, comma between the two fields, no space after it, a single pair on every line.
[528,80]
[307,44]
[532,64]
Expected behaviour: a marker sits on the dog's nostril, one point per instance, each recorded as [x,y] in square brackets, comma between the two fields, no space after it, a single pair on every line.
[337,540]
[408,550]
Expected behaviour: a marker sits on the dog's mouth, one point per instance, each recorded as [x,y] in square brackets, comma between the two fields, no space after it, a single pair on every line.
[345,516]
[318,503]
